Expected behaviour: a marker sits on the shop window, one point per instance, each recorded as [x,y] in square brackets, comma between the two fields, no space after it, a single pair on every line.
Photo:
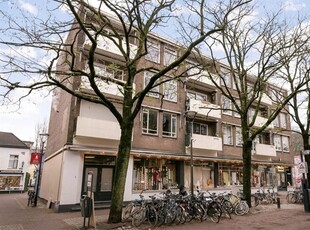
[227,134]
[13,162]
[154,92]
[154,174]
[153,52]
[169,125]
[171,90]
[149,121]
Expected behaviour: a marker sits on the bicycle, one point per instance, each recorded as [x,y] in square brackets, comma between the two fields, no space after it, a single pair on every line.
[31,198]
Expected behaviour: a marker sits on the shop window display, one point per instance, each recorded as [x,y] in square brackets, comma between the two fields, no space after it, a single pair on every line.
[154,174]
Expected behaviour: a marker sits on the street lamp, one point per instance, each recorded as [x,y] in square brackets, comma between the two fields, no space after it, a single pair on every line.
[190,115]
[43,137]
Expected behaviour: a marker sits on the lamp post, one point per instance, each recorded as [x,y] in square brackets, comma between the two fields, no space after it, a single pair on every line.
[43,137]
[304,182]
[190,115]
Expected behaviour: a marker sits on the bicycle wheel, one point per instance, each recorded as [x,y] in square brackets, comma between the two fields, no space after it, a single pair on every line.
[138,216]
[179,215]
[128,210]
[254,201]
[289,198]
[241,208]
[227,205]
[170,215]
[214,212]
[151,216]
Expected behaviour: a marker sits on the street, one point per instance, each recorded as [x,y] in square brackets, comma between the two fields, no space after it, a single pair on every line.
[15,215]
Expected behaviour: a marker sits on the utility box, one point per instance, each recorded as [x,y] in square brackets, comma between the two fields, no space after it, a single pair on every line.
[86,206]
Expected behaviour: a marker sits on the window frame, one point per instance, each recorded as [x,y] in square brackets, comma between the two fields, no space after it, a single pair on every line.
[170,55]
[283,122]
[154,91]
[225,137]
[172,86]
[153,46]
[147,130]
[284,142]
[226,110]
[239,141]
[172,127]
[13,163]
[277,142]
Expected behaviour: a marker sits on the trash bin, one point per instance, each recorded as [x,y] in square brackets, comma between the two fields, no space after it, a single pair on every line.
[86,206]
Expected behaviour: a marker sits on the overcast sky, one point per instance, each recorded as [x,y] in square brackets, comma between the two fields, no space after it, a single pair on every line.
[36,108]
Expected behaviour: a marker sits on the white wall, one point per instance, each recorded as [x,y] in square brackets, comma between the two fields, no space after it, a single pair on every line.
[71,178]
[50,178]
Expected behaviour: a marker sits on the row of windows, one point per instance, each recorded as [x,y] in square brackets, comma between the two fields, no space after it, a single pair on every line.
[153,48]
[281,143]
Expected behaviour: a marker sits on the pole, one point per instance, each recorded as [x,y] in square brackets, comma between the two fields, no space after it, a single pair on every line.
[304,186]
[192,167]
[38,177]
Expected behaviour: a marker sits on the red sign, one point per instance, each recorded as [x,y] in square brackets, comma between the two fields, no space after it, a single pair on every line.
[35,158]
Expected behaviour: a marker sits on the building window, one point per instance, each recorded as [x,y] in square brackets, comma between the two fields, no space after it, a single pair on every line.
[226,105]
[239,141]
[227,134]
[283,120]
[169,125]
[236,113]
[226,79]
[171,90]
[149,121]
[153,52]
[154,92]
[200,129]
[277,142]
[13,161]
[285,142]
[170,55]
[276,122]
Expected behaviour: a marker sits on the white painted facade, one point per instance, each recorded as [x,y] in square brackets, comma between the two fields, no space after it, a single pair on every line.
[13,178]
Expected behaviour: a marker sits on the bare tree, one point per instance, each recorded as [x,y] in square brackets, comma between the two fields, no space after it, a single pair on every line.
[255,50]
[131,20]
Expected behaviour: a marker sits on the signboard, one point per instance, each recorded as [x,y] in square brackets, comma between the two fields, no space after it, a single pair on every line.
[35,158]
[302,167]
[306,152]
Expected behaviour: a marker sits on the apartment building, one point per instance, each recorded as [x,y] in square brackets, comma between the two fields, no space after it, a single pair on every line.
[84,136]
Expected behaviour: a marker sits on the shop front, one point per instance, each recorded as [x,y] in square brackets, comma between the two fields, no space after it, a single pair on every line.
[11,180]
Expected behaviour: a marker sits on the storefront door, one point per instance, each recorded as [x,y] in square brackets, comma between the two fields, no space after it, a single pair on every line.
[102,178]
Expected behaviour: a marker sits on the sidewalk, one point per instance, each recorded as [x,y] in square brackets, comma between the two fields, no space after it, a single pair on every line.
[15,215]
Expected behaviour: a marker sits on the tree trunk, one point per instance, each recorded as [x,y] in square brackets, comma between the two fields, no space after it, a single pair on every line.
[115,215]
[246,154]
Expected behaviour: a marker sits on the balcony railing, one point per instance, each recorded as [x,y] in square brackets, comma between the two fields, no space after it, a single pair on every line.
[95,128]
[105,44]
[104,86]
[260,121]
[207,142]
[204,77]
[206,109]
[264,150]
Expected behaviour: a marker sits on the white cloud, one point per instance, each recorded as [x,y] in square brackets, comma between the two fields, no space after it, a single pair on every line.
[290,5]
[29,7]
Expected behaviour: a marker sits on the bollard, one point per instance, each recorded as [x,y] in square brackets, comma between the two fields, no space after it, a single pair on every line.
[278,202]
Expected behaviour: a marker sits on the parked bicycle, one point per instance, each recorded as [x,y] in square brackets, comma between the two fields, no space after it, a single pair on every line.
[31,198]
[295,197]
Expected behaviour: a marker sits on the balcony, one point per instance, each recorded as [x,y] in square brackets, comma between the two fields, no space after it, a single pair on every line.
[260,121]
[264,150]
[106,44]
[104,86]
[207,142]
[203,77]
[204,108]
[95,128]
